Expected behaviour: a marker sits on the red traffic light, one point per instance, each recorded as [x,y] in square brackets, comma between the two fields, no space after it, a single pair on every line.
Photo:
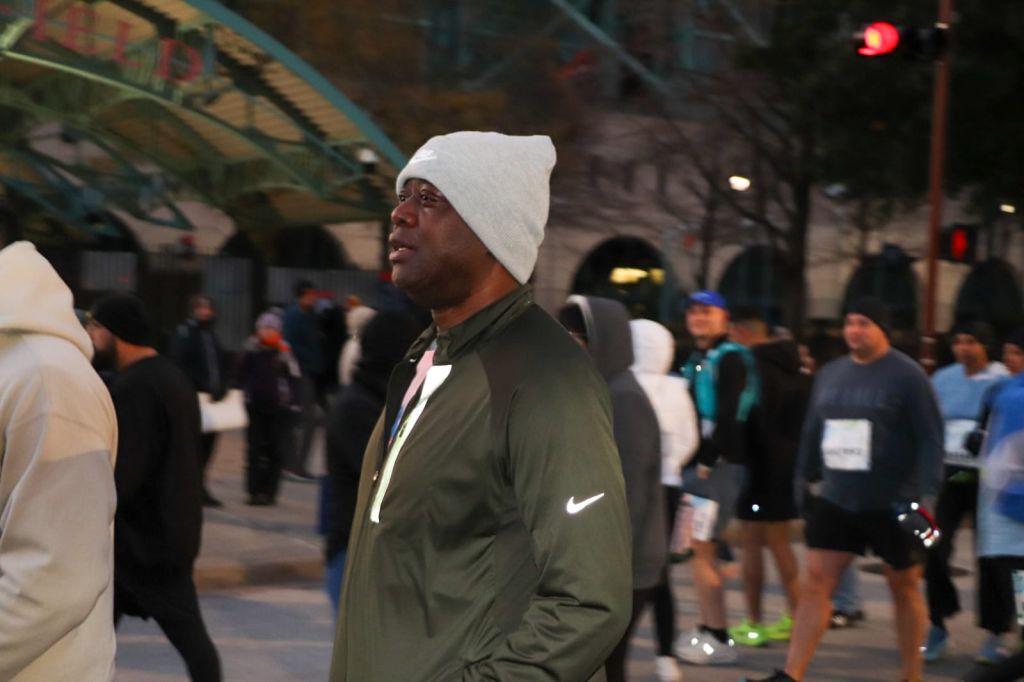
[959,243]
[878,38]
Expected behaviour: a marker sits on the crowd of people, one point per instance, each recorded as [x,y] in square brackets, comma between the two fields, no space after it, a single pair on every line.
[506,490]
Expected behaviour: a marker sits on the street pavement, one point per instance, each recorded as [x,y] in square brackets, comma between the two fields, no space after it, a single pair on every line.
[259,573]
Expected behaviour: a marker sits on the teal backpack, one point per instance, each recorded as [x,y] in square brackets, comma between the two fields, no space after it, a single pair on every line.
[705,384]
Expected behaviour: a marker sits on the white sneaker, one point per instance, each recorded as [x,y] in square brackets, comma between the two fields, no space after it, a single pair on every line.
[702,648]
[667,669]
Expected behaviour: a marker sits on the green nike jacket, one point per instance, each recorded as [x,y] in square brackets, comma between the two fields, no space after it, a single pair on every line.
[491,539]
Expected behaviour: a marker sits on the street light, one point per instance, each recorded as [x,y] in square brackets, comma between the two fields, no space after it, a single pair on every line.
[738,183]
[1007,208]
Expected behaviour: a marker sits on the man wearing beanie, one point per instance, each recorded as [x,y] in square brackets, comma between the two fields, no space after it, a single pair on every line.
[961,389]
[873,436]
[491,538]
[159,481]
[56,484]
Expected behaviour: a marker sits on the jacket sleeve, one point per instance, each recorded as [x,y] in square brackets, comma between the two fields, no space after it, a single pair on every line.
[927,427]
[141,434]
[567,479]
[348,432]
[727,441]
[635,431]
[294,332]
[683,431]
[56,544]
[808,464]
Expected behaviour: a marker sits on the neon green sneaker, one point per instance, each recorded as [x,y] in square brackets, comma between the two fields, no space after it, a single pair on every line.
[781,630]
[749,634]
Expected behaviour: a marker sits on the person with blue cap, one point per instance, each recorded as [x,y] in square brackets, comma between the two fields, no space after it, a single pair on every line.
[723,382]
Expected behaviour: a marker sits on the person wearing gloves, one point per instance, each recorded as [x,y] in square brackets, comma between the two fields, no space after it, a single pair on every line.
[270,379]
[56,484]
[874,437]
[653,350]
[491,536]
[601,326]
[961,389]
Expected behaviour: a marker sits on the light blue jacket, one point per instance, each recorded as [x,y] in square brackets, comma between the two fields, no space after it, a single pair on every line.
[1003,461]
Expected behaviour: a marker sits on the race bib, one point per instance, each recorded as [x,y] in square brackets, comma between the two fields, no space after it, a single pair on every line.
[705,514]
[956,431]
[846,444]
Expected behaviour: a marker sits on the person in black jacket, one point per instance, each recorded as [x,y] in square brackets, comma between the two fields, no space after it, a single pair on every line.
[384,341]
[158,478]
[269,377]
[767,502]
[196,350]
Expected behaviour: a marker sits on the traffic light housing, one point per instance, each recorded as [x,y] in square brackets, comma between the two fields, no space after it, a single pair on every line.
[958,243]
[881,39]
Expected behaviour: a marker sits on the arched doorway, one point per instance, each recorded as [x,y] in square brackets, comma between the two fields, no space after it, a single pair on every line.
[888,276]
[630,270]
[990,292]
[310,246]
[752,280]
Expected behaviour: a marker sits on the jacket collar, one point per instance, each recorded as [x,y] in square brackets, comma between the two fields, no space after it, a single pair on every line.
[461,338]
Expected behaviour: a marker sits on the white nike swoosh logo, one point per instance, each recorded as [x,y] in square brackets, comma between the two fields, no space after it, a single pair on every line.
[574,507]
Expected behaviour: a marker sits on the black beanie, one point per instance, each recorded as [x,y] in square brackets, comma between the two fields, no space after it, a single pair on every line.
[1015,338]
[981,331]
[125,316]
[875,310]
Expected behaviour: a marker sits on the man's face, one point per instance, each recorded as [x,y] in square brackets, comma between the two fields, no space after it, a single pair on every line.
[1013,358]
[104,346]
[968,351]
[706,321]
[203,311]
[862,336]
[435,258]
[307,299]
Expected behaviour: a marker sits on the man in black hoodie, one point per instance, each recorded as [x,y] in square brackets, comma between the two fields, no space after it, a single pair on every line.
[767,503]
[383,342]
[158,478]
[601,325]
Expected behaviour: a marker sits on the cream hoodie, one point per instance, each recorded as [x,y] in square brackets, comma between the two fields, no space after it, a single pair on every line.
[56,484]
[652,352]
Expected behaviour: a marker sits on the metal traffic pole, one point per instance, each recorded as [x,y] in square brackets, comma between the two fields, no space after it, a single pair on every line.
[940,106]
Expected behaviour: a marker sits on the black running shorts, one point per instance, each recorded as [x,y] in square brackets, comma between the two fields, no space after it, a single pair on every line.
[833,528]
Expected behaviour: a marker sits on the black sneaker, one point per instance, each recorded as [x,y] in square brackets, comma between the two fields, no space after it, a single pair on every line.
[778,676]
[844,619]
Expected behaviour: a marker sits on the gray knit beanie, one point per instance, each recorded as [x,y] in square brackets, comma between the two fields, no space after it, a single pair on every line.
[498,184]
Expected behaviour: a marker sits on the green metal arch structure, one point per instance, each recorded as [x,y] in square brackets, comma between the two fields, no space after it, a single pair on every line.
[148,102]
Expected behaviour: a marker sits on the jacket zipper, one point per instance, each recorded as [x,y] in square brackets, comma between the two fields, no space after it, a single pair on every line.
[436,376]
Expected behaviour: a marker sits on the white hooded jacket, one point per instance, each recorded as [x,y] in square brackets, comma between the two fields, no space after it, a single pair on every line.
[652,354]
[57,493]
